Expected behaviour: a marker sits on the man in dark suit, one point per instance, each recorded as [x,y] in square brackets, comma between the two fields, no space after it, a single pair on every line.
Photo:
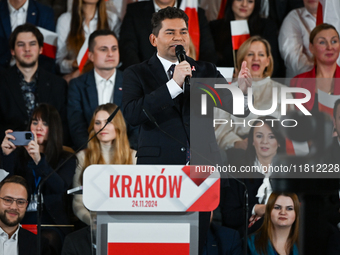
[25,85]
[10,17]
[101,85]
[136,29]
[147,87]
[13,204]
[78,243]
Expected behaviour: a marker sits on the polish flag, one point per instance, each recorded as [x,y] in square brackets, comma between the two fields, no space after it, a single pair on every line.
[190,8]
[148,238]
[296,148]
[326,102]
[239,32]
[83,55]
[50,42]
[326,13]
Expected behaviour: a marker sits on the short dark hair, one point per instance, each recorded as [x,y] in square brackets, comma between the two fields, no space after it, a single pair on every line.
[336,104]
[27,27]
[18,180]
[167,13]
[101,32]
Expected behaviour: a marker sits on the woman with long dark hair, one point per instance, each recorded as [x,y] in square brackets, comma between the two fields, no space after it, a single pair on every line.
[37,160]
[110,146]
[279,232]
[243,10]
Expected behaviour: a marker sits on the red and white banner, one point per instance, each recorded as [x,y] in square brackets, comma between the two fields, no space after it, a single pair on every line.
[148,238]
[83,55]
[50,42]
[326,102]
[151,188]
[239,32]
[190,8]
[327,13]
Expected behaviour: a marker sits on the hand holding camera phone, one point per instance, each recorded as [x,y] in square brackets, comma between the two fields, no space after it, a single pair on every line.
[22,138]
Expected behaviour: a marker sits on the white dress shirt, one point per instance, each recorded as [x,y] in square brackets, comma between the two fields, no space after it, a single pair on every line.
[64,57]
[18,17]
[9,245]
[105,88]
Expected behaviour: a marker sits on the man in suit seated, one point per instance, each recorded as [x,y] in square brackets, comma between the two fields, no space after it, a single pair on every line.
[136,28]
[101,85]
[14,13]
[13,204]
[157,86]
[26,84]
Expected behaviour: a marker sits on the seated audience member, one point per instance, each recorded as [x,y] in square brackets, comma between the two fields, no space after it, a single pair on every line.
[136,28]
[110,146]
[325,46]
[264,142]
[279,232]
[26,84]
[73,28]
[78,243]
[37,160]
[243,10]
[256,52]
[294,39]
[14,239]
[14,13]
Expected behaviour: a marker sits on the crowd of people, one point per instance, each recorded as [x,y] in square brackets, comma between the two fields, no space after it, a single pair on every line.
[132,67]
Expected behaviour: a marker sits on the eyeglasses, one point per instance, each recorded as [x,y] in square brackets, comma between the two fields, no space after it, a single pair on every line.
[9,201]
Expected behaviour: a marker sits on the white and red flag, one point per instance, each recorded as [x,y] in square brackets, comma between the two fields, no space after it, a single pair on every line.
[50,42]
[190,8]
[326,102]
[328,12]
[239,32]
[148,238]
[83,55]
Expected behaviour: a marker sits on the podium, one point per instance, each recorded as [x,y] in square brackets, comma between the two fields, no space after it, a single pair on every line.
[149,209]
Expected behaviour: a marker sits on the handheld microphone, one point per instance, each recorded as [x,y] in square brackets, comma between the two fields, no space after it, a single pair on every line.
[181,56]
[39,205]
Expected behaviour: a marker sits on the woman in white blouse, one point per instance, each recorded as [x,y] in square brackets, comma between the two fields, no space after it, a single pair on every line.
[73,28]
[110,146]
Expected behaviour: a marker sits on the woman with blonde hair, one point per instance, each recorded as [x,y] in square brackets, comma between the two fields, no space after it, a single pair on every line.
[74,27]
[279,232]
[110,146]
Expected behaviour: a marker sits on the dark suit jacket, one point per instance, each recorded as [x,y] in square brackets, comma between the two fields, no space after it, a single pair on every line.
[135,46]
[222,241]
[145,87]
[78,243]
[83,100]
[51,89]
[37,14]
[27,243]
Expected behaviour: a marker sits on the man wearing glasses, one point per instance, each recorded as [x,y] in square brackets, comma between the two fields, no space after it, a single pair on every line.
[13,203]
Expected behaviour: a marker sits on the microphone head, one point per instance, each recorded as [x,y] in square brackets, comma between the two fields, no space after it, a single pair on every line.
[180,53]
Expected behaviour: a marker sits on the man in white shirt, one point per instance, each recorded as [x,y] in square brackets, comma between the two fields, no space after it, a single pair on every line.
[14,13]
[101,85]
[13,204]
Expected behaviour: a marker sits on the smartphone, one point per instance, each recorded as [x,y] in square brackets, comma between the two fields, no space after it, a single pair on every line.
[22,137]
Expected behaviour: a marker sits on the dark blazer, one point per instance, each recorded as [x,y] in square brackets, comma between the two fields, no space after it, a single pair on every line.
[37,14]
[222,241]
[145,87]
[51,89]
[27,243]
[78,243]
[83,100]
[135,46]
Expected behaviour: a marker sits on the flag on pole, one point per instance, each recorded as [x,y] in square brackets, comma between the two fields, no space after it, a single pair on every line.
[82,55]
[190,8]
[148,238]
[239,32]
[50,42]
[326,102]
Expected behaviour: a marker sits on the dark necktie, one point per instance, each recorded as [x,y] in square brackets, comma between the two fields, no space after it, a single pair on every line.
[171,71]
